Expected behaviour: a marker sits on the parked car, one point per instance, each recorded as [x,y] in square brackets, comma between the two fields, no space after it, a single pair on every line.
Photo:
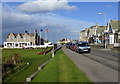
[82,47]
[67,45]
[72,47]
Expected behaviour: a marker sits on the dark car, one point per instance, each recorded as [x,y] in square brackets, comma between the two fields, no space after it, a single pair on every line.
[67,45]
[72,47]
[82,47]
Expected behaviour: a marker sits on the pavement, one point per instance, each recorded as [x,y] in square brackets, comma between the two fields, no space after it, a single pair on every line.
[99,65]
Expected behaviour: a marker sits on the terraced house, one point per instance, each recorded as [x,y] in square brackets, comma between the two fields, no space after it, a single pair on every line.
[96,34]
[84,35]
[113,33]
[19,40]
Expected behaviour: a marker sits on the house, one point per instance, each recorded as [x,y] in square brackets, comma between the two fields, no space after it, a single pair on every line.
[84,35]
[19,40]
[109,34]
[100,29]
[92,34]
[113,33]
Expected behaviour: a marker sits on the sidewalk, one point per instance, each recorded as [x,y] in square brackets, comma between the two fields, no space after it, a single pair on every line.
[102,48]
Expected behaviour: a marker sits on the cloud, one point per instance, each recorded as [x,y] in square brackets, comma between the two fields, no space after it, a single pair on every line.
[0,23]
[45,6]
[59,27]
[108,6]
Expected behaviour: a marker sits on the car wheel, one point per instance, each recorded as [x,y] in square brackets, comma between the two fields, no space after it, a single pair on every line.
[88,51]
[79,52]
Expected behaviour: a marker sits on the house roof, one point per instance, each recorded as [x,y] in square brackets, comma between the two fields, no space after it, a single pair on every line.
[21,34]
[83,31]
[115,24]
[100,29]
[93,26]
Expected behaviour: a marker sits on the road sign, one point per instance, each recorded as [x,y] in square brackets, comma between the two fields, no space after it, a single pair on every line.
[105,38]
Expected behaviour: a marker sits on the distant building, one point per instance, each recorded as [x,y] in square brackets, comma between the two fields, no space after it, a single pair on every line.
[19,40]
[101,34]
[84,35]
[92,34]
[73,41]
[64,41]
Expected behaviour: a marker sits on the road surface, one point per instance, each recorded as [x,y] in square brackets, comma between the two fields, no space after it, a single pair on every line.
[99,66]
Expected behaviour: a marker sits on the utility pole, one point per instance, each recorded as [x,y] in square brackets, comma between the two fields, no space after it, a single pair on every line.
[105,38]
[105,29]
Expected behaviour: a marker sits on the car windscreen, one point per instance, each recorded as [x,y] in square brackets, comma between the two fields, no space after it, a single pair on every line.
[83,44]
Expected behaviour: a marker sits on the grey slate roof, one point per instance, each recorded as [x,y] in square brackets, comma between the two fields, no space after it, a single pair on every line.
[21,34]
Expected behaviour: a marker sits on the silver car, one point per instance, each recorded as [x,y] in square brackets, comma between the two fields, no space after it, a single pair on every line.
[82,47]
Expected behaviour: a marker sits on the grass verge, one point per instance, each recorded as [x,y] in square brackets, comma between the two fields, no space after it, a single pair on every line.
[60,69]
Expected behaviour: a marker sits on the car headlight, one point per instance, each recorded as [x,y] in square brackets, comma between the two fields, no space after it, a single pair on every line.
[80,48]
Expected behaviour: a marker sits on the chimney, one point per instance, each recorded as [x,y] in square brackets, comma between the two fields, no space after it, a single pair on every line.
[97,24]
[36,31]
[26,32]
[86,29]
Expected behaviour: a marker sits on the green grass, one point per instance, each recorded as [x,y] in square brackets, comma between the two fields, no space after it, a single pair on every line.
[60,69]
[0,53]
[30,56]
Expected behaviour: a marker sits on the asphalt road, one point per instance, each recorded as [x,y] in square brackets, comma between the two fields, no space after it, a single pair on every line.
[99,66]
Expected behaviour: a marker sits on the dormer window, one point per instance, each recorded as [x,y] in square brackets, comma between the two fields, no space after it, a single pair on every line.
[11,38]
[25,38]
[18,39]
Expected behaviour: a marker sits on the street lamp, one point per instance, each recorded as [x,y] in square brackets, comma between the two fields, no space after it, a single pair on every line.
[105,26]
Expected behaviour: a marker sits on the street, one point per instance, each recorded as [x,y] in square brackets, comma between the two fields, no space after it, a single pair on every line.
[99,66]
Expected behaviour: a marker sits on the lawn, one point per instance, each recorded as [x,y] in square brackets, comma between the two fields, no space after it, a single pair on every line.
[60,69]
[0,53]
[29,55]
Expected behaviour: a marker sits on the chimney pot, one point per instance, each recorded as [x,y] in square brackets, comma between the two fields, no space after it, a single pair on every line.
[25,31]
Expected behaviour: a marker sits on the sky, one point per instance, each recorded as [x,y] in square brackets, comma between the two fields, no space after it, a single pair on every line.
[63,19]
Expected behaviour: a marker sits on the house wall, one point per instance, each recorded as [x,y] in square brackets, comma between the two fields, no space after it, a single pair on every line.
[111,39]
[25,38]
[92,31]
[83,35]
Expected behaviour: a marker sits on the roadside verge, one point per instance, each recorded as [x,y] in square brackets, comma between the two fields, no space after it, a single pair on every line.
[60,69]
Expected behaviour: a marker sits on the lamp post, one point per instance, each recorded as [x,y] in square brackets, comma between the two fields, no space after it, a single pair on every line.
[105,27]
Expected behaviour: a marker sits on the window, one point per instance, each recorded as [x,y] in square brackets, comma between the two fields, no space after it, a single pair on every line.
[11,38]
[25,38]
[83,44]
[18,39]
[16,44]
[111,39]
[30,43]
